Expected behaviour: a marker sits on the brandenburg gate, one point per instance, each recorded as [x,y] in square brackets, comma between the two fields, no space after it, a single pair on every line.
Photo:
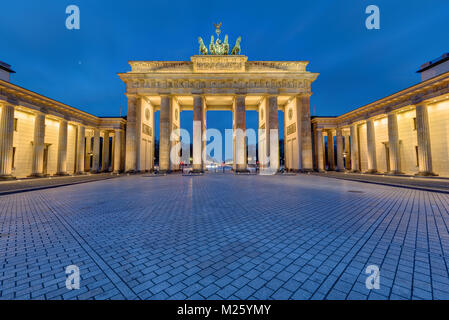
[218,79]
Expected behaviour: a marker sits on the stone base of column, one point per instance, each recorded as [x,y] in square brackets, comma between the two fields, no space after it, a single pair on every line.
[395,173]
[355,171]
[81,173]
[372,171]
[38,175]
[426,174]
[8,177]
[306,170]
[62,174]
[95,171]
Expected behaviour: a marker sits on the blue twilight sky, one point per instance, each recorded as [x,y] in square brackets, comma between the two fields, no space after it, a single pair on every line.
[357,65]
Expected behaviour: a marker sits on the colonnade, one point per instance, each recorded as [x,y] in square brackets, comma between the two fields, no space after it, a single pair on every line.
[83,148]
[169,120]
[349,144]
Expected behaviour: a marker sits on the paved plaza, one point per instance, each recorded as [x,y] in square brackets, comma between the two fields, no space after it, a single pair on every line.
[221,236]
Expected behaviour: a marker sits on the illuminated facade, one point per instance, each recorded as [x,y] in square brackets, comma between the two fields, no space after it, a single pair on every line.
[41,137]
[405,133]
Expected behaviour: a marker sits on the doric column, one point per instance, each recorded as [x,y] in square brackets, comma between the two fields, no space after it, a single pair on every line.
[198,112]
[62,148]
[330,150]
[320,149]
[96,152]
[164,136]
[106,147]
[355,148]
[273,132]
[303,105]
[287,165]
[371,141]
[37,168]
[340,159]
[240,134]
[80,146]
[117,149]
[423,133]
[131,139]
[88,152]
[204,133]
[347,151]
[6,140]
[140,154]
[393,143]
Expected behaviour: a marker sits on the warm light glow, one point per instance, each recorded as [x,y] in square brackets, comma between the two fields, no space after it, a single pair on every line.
[51,122]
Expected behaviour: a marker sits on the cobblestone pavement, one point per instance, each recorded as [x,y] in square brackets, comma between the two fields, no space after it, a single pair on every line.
[420,183]
[19,185]
[224,237]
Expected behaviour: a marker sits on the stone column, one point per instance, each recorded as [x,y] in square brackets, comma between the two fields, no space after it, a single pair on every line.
[240,135]
[393,144]
[306,153]
[198,112]
[355,148]
[117,147]
[106,146]
[273,132]
[37,168]
[96,152]
[131,139]
[80,146]
[88,152]
[6,141]
[340,159]
[62,148]
[330,150]
[320,149]
[204,134]
[140,107]
[347,151]
[164,135]
[287,165]
[423,133]
[371,141]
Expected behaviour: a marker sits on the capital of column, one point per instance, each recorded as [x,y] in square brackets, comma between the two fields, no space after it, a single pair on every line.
[239,97]
[304,95]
